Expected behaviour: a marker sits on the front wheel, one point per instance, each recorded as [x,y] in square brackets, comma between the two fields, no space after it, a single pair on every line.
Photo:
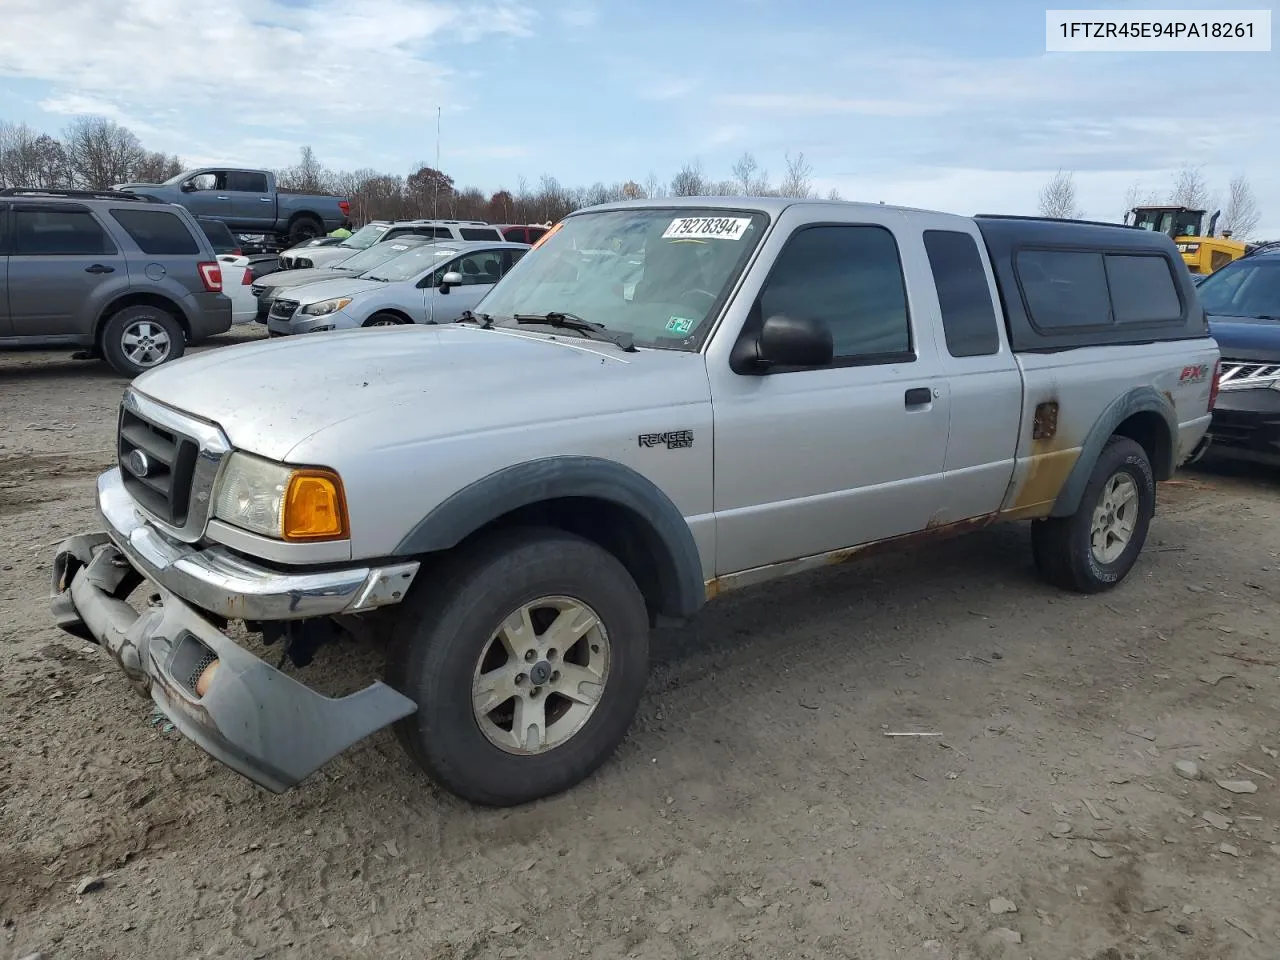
[384,320]
[527,657]
[1095,548]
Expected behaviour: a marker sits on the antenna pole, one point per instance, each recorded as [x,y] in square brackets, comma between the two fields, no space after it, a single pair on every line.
[435,198]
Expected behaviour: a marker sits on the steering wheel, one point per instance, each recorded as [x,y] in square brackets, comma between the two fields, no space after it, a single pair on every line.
[706,293]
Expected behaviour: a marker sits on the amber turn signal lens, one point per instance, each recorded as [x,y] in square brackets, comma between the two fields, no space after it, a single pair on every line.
[546,236]
[314,507]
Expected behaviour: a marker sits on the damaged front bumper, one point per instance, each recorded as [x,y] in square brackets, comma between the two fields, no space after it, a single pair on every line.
[256,719]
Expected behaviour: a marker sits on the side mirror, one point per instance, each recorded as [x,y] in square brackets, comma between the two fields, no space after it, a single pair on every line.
[786,341]
[451,279]
[187,186]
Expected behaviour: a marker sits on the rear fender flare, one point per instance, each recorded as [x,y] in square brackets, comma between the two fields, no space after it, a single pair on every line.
[1144,399]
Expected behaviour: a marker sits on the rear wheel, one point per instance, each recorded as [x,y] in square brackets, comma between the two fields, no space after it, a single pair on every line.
[139,338]
[304,228]
[1096,547]
[527,657]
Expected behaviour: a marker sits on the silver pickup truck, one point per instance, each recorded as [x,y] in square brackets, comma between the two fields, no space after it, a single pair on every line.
[663,401]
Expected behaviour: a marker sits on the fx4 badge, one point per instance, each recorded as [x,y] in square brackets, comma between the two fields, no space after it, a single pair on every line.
[1194,374]
[674,439]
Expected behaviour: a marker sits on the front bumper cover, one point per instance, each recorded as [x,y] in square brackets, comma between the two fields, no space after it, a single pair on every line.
[256,719]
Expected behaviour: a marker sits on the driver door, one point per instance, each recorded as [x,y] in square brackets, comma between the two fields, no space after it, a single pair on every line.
[210,197]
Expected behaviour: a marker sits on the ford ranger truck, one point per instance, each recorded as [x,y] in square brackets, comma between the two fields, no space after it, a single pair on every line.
[666,401]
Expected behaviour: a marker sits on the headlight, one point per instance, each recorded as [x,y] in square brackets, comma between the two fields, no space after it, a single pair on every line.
[276,500]
[325,307]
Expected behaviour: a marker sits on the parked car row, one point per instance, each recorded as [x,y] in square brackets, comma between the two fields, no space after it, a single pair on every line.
[427,281]
[381,231]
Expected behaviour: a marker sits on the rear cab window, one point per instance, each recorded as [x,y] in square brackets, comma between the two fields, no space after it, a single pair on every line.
[969,320]
[157,232]
[480,233]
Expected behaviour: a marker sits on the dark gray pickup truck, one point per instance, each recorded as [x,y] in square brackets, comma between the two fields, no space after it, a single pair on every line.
[249,202]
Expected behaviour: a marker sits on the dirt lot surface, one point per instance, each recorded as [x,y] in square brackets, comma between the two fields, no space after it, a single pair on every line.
[758,808]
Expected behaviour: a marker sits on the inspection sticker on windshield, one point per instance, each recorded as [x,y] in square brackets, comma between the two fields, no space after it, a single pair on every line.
[681,325]
[707,228]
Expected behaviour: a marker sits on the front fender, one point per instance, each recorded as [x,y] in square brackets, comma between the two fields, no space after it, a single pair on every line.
[667,535]
[1144,399]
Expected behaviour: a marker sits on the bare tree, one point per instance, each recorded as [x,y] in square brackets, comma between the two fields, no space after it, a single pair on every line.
[1190,189]
[689,181]
[798,181]
[100,152]
[834,194]
[156,167]
[1241,215]
[307,176]
[653,186]
[749,178]
[1058,197]
[31,159]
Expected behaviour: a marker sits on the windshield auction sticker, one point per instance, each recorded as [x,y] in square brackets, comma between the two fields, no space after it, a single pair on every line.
[707,228]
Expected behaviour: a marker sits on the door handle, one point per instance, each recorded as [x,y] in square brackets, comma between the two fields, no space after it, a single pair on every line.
[264,199]
[99,268]
[919,396]
[220,197]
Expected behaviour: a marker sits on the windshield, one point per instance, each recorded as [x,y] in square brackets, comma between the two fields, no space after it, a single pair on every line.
[658,274]
[366,236]
[405,266]
[1242,289]
[378,253]
[219,236]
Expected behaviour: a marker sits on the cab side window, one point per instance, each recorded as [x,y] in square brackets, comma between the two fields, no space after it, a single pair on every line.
[850,277]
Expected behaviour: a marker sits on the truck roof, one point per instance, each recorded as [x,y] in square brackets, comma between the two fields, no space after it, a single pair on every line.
[770,205]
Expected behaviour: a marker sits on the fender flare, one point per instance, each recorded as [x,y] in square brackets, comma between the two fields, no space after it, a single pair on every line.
[681,589]
[1143,399]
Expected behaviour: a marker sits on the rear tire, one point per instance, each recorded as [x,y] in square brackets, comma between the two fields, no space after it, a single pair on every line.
[141,338]
[484,641]
[303,229]
[1095,548]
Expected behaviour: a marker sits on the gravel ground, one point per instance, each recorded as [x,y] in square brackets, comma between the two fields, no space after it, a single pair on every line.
[758,808]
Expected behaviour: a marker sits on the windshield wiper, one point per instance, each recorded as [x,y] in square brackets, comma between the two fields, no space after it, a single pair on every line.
[468,316]
[571,321]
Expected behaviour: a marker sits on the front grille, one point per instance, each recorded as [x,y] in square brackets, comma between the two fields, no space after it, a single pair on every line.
[157,466]
[283,309]
[1248,375]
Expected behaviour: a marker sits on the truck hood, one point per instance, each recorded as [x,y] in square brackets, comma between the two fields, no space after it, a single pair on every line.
[322,397]
[341,286]
[1246,338]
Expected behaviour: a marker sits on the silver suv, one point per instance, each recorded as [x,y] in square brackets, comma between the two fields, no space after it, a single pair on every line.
[129,279]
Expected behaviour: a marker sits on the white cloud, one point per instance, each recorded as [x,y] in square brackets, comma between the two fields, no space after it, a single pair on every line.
[796,104]
[247,61]
[578,16]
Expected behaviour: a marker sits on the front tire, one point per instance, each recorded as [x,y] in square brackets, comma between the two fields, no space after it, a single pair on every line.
[527,655]
[140,338]
[384,320]
[1095,548]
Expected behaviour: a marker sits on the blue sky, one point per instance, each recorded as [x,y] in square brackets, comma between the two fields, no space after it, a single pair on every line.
[937,104]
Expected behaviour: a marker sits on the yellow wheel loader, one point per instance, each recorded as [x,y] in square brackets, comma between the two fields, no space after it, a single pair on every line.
[1200,248]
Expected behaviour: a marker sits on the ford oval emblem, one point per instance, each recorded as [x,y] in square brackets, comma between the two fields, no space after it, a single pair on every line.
[139,463]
